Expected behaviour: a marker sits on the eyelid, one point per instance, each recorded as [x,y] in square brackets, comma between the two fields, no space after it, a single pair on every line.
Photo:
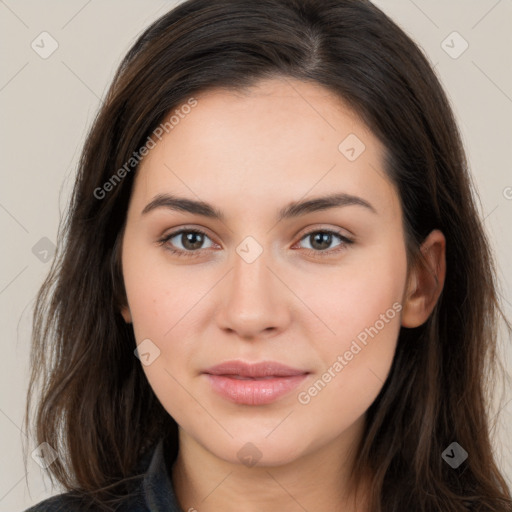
[313,228]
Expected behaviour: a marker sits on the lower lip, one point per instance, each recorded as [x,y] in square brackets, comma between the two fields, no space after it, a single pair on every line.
[254,391]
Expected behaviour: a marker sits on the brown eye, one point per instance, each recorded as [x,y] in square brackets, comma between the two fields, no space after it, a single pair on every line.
[321,240]
[191,241]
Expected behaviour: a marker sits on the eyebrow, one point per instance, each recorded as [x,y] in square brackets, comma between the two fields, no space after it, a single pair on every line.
[291,210]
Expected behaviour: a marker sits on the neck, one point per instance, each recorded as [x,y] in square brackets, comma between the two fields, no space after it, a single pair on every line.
[316,481]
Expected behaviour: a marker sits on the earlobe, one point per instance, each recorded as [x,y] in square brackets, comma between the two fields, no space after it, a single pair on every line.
[426,281]
[125,311]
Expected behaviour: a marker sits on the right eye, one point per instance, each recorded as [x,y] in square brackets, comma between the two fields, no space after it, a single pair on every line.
[193,238]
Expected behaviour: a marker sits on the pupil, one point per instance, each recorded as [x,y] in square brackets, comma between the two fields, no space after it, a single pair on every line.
[190,238]
[325,237]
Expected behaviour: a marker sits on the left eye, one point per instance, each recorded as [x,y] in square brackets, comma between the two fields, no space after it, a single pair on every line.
[323,238]
[193,239]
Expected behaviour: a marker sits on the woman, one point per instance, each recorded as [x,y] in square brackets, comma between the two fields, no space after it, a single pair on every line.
[195,354]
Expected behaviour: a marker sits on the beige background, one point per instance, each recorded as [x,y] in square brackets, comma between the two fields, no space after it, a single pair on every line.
[47,106]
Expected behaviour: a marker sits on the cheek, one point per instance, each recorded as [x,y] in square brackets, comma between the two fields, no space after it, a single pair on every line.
[352,298]
[160,295]
[164,301]
[161,300]
[355,369]
[364,311]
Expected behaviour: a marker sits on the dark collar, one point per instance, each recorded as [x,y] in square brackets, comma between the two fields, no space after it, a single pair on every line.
[157,485]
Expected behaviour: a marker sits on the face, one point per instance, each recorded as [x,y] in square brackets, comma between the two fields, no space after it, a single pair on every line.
[318,290]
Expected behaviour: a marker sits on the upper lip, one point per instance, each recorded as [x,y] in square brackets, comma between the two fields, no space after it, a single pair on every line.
[261,369]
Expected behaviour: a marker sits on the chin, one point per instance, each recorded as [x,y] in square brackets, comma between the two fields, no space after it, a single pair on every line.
[259,452]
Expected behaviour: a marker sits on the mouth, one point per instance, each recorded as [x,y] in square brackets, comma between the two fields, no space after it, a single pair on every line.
[253,384]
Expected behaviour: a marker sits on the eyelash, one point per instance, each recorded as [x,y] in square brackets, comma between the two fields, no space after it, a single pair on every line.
[315,253]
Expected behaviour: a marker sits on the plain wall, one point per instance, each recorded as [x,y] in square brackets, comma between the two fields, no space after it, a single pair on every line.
[47,105]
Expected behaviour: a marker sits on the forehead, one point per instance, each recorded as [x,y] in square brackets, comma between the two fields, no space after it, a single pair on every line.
[273,143]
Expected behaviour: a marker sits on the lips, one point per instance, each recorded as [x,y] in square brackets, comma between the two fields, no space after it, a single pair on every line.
[256,370]
[253,384]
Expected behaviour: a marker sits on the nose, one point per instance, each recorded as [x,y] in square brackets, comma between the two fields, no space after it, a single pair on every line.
[254,301]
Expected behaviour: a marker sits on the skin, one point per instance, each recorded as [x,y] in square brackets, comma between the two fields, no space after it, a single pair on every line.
[250,154]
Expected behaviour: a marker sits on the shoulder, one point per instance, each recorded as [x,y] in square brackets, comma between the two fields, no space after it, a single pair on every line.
[151,488]
[69,502]
[59,503]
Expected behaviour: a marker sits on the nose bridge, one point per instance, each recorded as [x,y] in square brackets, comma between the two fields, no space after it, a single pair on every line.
[252,301]
[251,277]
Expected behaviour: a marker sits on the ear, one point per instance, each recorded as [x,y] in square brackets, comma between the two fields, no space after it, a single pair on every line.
[125,311]
[426,281]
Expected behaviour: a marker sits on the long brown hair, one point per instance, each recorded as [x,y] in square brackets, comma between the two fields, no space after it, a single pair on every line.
[94,404]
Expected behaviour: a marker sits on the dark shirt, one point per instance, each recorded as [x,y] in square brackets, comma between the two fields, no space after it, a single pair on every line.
[154,493]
